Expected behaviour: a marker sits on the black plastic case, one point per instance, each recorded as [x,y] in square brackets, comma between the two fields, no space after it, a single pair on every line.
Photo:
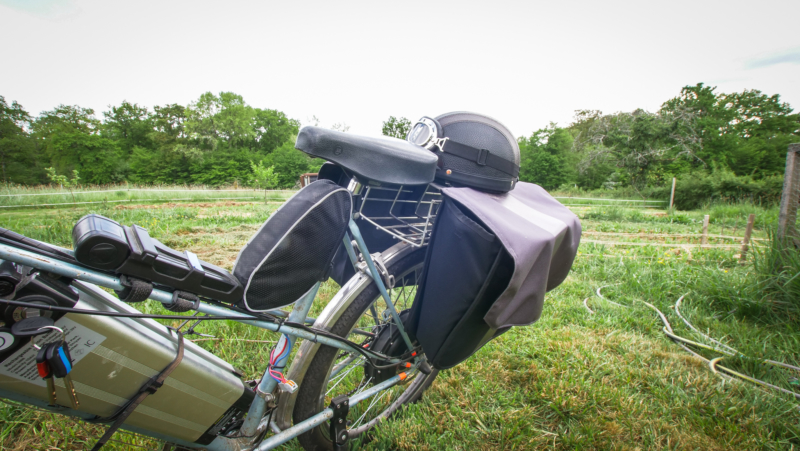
[105,244]
[100,242]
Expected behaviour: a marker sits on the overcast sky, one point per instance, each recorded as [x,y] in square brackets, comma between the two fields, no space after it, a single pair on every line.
[526,63]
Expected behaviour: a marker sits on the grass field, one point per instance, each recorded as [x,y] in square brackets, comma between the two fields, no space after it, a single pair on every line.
[17,197]
[574,380]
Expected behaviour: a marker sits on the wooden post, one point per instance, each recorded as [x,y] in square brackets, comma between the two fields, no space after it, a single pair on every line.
[672,195]
[704,240]
[746,241]
[791,194]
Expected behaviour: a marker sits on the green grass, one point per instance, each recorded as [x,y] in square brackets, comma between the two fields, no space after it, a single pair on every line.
[16,197]
[573,380]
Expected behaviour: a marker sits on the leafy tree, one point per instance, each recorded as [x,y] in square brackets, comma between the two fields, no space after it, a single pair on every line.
[70,138]
[225,118]
[63,180]
[546,157]
[746,132]
[639,143]
[130,125]
[272,129]
[18,156]
[289,164]
[396,127]
[264,176]
[169,120]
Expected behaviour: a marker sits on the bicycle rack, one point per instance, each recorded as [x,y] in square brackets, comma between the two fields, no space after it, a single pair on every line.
[413,227]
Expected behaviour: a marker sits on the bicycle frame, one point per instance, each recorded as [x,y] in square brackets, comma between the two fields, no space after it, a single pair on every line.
[255,422]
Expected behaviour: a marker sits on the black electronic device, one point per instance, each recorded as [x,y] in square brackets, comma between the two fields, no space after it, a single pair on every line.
[105,244]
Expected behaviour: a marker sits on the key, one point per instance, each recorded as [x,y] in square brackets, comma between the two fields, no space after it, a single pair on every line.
[60,362]
[46,374]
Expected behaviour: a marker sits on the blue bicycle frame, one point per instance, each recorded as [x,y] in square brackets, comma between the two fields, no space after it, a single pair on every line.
[255,420]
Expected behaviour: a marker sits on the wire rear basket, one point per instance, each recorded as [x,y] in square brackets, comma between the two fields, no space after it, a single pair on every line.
[406,213]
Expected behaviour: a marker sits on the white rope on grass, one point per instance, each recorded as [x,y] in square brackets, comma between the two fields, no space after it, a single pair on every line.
[606,299]
[587,306]
[730,350]
[713,364]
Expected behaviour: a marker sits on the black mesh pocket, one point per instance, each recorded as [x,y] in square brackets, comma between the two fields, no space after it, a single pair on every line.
[466,270]
[294,248]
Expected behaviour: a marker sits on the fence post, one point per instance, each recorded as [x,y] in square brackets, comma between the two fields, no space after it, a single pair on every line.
[672,195]
[704,239]
[791,194]
[746,241]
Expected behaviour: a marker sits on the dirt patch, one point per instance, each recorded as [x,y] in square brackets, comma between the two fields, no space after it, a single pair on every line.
[175,205]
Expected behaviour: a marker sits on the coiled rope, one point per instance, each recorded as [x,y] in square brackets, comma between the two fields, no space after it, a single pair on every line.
[721,348]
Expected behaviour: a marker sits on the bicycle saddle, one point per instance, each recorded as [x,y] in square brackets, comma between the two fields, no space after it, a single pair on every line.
[383,159]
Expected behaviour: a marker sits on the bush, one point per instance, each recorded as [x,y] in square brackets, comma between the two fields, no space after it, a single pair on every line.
[696,189]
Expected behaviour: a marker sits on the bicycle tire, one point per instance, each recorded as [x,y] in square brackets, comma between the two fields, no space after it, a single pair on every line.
[312,397]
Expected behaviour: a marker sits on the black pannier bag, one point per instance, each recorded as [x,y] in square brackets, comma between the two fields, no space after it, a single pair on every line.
[490,261]
[295,246]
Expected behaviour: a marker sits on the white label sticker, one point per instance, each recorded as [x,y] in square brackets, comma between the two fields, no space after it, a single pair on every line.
[22,364]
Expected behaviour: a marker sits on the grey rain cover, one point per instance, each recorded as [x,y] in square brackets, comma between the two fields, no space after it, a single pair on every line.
[539,233]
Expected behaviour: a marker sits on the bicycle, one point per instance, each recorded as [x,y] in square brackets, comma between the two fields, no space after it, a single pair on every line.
[375,221]
[340,359]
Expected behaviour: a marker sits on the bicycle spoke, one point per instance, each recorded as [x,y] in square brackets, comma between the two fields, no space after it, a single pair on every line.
[341,378]
[344,364]
[371,405]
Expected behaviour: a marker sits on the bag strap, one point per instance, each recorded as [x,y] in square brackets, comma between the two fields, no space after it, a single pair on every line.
[147,389]
[482,157]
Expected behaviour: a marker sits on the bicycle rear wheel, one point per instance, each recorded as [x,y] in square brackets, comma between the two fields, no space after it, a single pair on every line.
[333,372]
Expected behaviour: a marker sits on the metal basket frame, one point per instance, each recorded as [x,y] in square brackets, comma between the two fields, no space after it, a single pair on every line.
[415,230]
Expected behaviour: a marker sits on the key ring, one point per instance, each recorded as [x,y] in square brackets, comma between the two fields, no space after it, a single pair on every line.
[63,335]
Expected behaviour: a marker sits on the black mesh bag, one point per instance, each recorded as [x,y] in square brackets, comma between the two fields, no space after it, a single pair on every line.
[295,246]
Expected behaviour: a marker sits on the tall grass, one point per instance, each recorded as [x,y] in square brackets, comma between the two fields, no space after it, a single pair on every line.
[48,195]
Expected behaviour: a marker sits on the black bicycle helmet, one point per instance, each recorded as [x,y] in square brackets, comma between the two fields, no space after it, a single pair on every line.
[474,150]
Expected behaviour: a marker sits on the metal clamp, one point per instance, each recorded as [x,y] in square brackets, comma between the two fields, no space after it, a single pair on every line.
[439,142]
[339,436]
[388,279]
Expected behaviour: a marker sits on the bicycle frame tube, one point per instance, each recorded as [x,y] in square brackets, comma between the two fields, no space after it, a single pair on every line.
[316,420]
[298,314]
[268,383]
[75,272]
[376,276]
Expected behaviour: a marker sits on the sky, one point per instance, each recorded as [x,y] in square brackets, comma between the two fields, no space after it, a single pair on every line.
[525,63]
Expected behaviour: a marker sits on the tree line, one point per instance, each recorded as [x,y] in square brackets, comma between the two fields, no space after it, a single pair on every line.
[718,145]
[215,140]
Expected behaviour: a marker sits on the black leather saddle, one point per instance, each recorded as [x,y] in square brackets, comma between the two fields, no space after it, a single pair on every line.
[383,159]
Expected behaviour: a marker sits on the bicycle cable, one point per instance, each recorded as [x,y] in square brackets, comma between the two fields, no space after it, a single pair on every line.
[317,332]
